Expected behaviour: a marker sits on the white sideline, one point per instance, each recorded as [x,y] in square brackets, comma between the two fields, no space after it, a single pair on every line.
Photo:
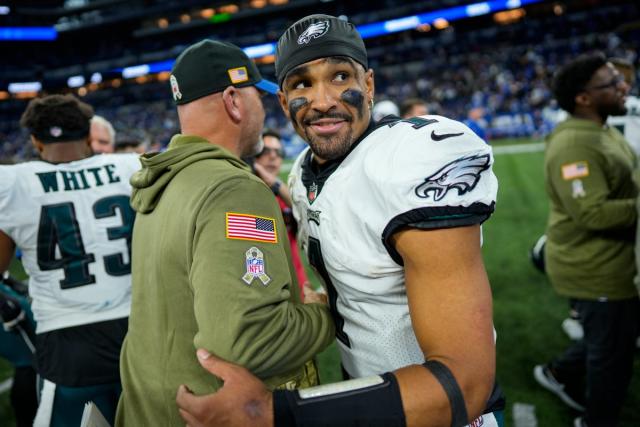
[524,415]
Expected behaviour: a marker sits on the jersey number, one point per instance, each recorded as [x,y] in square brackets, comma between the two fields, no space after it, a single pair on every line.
[59,228]
[316,260]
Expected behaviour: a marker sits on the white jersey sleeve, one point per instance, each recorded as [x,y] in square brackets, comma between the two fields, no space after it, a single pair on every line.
[430,172]
[72,222]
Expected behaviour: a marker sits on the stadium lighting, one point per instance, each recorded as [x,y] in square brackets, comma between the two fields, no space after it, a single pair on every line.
[5,10]
[28,33]
[24,87]
[478,9]
[440,23]
[229,8]
[207,13]
[260,50]
[258,4]
[438,19]
[75,81]
[449,15]
[135,71]
[401,24]
[96,78]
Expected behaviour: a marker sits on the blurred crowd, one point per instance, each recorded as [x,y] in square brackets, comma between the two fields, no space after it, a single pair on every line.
[499,74]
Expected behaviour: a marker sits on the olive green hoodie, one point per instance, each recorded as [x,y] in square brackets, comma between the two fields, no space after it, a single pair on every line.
[591,227]
[199,281]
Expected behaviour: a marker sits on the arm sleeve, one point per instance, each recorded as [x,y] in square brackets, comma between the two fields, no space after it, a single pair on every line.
[588,199]
[261,326]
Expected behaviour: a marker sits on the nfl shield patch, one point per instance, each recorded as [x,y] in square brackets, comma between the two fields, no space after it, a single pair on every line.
[255,267]
[312,192]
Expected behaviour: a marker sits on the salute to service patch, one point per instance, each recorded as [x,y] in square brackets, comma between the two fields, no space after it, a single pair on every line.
[575,170]
[251,227]
[255,267]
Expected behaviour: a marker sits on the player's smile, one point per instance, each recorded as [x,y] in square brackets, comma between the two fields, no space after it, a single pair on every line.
[327,125]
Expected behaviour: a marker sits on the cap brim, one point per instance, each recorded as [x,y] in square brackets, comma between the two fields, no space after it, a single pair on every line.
[267,86]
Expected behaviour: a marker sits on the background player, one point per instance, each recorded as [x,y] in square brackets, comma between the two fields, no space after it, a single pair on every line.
[69,214]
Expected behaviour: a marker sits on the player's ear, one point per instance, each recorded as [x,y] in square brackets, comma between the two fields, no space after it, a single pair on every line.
[37,144]
[369,83]
[583,99]
[283,104]
[88,147]
[231,100]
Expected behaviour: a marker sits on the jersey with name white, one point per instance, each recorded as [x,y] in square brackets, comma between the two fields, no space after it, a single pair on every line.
[629,124]
[73,222]
[427,172]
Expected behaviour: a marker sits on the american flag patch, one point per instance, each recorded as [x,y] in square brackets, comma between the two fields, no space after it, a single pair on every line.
[251,227]
[575,170]
[238,75]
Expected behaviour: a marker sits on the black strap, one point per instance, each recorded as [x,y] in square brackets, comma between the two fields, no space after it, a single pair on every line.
[444,375]
[375,405]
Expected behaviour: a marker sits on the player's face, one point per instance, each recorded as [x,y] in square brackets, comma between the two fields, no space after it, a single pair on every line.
[608,91]
[328,102]
[251,142]
[100,139]
[271,155]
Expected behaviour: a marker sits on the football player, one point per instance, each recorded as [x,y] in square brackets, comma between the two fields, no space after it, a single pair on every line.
[69,213]
[389,216]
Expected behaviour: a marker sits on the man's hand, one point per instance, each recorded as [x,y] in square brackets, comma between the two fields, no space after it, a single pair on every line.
[242,401]
[263,173]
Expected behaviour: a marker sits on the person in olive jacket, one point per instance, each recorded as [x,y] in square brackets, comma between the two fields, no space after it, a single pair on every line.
[589,254]
[211,261]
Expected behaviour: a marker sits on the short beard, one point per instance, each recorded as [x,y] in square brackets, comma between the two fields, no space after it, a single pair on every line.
[254,149]
[330,148]
[615,111]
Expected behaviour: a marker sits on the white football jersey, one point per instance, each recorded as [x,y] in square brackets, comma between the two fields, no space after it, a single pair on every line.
[426,172]
[72,222]
[629,124]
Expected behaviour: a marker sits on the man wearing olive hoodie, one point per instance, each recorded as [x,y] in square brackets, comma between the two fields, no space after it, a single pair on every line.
[589,252]
[211,262]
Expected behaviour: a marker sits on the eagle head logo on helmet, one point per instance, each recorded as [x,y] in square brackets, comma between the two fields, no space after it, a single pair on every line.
[314,31]
[462,174]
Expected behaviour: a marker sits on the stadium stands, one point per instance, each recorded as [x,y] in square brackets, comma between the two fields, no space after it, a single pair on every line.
[467,64]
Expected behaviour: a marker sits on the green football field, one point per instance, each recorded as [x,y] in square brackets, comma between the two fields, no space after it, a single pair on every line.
[527,312]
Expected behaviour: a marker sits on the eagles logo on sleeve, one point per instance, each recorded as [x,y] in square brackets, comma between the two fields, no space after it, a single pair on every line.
[462,174]
[315,30]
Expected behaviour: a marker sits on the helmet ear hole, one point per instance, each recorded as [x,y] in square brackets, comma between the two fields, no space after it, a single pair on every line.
[536,253]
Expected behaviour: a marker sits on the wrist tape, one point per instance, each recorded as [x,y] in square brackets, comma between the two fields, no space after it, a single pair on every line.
[372,401]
